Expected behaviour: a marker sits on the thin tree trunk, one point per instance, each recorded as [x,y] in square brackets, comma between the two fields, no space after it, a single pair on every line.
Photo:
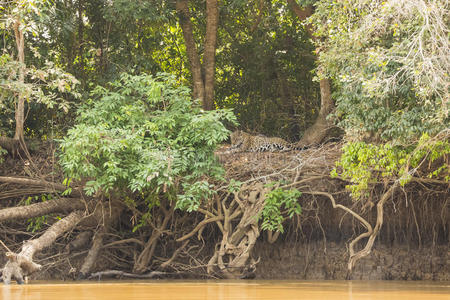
[212,22]
[191,49]
[80,40]
[319,130]
[316,133]
[109,216]
[20,104]
[141,264]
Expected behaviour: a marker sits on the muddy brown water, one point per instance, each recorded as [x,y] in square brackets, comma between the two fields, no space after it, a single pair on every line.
[283,290]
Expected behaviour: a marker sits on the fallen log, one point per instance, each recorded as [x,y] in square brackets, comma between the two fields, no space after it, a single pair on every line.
[25,258]
[40,209]
[42,183]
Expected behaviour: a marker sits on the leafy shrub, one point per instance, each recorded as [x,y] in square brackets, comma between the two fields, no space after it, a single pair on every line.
[272,214]
[366,164]
[144,134]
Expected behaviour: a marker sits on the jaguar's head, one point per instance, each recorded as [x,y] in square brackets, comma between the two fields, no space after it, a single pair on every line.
[237,137]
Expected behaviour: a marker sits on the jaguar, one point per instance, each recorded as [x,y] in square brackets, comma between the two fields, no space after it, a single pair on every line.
[242,141]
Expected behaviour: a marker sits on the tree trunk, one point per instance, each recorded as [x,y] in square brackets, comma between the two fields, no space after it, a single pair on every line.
[203,80]
[191,49]
[20,104]
[91,258]
[80,42]
[212,22]
[319,130]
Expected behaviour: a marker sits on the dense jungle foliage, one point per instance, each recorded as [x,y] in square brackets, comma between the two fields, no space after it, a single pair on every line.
[137,96]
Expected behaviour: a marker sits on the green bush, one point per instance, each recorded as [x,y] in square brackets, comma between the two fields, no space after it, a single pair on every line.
[144,134]
[366,164]
[272,214]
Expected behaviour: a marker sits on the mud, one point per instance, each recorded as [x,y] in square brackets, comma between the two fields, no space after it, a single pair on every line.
[319,261]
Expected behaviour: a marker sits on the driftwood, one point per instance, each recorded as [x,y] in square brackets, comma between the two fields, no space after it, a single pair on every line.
[121,274]
[12,270]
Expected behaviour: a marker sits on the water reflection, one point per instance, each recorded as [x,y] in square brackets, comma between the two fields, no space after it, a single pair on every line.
[286,290]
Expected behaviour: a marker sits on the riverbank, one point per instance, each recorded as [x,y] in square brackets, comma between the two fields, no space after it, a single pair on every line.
[328,261]
[224,239]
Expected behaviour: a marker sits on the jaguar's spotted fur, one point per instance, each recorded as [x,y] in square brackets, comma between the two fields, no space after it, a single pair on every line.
[242,141]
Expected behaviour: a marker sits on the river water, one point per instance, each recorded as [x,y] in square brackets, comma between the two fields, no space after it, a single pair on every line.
[283,290]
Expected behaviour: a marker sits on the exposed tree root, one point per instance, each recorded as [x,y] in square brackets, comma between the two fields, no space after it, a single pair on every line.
[93,253]
[232,258]
[272,236]
[353,257]
[200,226]
[183,243]
[371,233]
[141,264]
[174,256]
